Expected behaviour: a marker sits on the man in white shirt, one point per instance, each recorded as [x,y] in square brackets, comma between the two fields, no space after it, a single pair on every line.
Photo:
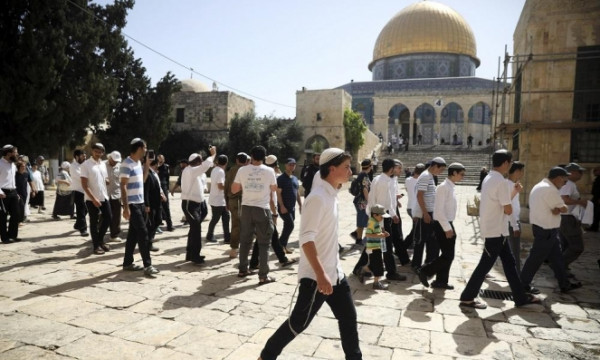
[216,200]
[258,183]
[494,209]
[94,179]
[517,169]
[545,207]
[9,198]
[411,192]
[444,213]
[423,211]
[320,272]
[113,168]
[570,227]
[78,195]
[192,197]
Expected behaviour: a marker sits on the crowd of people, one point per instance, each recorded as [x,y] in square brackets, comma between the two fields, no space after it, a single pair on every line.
[250,197]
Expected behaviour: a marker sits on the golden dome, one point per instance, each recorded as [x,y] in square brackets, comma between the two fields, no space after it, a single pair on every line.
[425,27]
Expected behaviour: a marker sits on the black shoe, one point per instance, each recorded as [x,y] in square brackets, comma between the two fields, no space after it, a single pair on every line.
[153,248]
[423,278]
[15,239]
[532,290]
[572,286]
[354,235]
[8,241]
[84,233]
[227,242]
[396,276]
[437,285]
[171,229]
[55,217]
[198,262]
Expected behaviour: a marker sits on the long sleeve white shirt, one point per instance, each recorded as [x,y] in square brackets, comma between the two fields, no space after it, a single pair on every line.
[383,192]
[7,175]
[444,209]
[191,183]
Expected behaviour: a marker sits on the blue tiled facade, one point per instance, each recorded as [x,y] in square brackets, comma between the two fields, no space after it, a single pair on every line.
[419,66]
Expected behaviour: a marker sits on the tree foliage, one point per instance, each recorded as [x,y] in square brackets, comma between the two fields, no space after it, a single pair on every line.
[354,130]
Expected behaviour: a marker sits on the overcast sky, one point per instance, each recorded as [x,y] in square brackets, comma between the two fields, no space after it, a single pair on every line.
[269,49]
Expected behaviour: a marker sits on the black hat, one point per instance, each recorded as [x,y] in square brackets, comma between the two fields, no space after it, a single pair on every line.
[365,163]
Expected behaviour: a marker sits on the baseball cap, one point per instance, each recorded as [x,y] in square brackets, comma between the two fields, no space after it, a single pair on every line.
[557,171]
[574,167]
[115,155]
[380,210]
[330,154]
[290,161]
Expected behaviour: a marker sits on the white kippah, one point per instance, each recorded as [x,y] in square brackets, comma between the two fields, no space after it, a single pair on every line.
[329,154]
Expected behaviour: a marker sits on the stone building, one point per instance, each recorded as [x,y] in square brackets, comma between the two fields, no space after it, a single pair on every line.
[555,96]
[208,111]
[423,83]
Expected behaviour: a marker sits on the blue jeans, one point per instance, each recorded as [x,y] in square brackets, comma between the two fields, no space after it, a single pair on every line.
[494,248]
[307,305]
[546,245]
[288,226]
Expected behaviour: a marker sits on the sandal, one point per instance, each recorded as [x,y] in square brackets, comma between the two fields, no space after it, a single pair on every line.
[473,304]
[242,274]
[266,280]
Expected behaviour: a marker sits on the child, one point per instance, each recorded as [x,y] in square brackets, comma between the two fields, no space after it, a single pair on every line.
[375,246]
[38,199]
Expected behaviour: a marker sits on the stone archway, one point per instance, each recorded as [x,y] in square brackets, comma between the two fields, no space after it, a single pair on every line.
[315,144]
[398,122]
[480,123]
[425,119]
[451,124]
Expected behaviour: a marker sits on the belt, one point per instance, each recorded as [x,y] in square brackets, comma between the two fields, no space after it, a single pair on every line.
[8,190]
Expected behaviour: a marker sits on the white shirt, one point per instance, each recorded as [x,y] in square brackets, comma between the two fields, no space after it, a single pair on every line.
[411,192]
[217,196]
[570,190]
[514,218]
[494,196]
[426,184]
[383,192]
[256,182]
[319,224]
[7,175]
[75,171]
[96,174]
[542,199]
[114,183]
[444,210]
[192,187]
[36,177]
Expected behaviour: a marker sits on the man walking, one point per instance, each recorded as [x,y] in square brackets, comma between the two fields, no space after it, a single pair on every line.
[113,169]
[192,196]
[78,194]
[287,197]
[545,205]
[234,203]
[217,202]
[570,226]
[164,175]
[309,174]
[94,178]
[258,183]
[9,198]
[515,173]
[494,210]
[320,275]
[132,178]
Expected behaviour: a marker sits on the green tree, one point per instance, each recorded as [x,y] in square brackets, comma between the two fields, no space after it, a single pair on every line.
[56,70]
[244,133]
[354,130]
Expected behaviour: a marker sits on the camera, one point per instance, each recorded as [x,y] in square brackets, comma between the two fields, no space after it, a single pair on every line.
[151,155]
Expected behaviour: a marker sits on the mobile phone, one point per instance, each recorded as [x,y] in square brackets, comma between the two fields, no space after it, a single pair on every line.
[151,154]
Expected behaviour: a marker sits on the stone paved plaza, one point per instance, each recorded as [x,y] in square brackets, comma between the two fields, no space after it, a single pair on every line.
[59,301]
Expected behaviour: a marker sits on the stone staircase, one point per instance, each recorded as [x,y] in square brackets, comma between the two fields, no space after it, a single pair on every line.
[473,159]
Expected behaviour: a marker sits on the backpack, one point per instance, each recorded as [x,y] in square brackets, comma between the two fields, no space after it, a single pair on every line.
[355,187]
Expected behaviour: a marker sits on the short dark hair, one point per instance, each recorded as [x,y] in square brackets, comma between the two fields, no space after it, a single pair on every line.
[387,165]
[136,145]
[336,161]
[78,152]
[222,160]
[241,158]
[258,153]
[419,169]
[500,157]
[516,166]
[154,162]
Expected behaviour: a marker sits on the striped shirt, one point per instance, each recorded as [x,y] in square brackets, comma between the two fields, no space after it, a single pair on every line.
[427,186]
[132,170]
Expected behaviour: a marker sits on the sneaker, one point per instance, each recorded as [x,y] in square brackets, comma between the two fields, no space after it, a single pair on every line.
[115,239]
[423,278]
[380,286]
[98,251]
[158,230]
[105,247]
[532,290]
[150,271]
[132,267]
[211,239]
[395,276]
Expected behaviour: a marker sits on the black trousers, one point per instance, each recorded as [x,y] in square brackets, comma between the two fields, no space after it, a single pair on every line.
[137,234]
[115,222]
[388,256]
[193,215]
[219,213]
[307,305]
[9,206]
[153,220]
[440,267]
[398,242]
[80,223]
[424,235]
[100,218]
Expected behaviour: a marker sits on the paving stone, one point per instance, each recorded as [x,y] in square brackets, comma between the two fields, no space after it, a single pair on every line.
[99,347]
[422,320]
[332,349]
[8,344]
[152,331]
[241,325]
[377,315]
[201,316]
[105,297]
[401,354]
[531,319]
[59,308]
[106,320]
[223,304]
[37,331]
[568,310]
[158,308]
[552,349]
[405,338]
[579,324]
[506,332]
[464,326]
[207,343]
[31,352]
[245,352]
[164,353]
[469,346]
[369,334]
[324,327]
[574,336]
